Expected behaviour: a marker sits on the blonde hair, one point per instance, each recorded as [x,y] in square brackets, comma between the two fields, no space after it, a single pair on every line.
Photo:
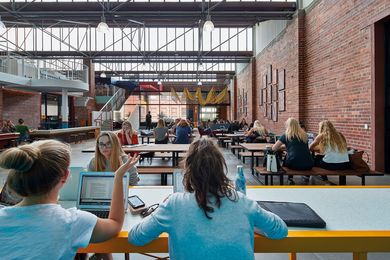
[294,130]
[160,123]
[128,124]
[332,138]
[116,153]
[35,169]
[259,128]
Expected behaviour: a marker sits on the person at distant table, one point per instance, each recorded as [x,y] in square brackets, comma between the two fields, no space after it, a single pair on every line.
[23,130]
[161,135]
[183,132]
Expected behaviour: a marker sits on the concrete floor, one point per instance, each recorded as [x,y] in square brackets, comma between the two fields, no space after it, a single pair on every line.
[80,159]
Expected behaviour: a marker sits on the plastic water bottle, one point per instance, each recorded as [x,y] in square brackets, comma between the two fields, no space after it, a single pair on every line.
[240,179]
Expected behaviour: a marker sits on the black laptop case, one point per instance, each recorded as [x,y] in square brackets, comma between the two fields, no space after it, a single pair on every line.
[294,214]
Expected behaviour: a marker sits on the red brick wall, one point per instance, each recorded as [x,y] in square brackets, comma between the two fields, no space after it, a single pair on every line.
[327,56]
[20,104]
[244,84]
[282,54]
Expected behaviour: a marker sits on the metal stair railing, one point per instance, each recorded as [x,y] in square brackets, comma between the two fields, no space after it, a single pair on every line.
[106,112]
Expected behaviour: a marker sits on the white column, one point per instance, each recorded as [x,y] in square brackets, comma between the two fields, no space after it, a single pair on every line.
[64,108]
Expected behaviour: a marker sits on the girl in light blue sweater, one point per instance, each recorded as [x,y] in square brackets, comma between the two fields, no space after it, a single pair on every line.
[211,220]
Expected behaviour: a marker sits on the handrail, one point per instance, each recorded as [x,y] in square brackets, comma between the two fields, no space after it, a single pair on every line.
[107,110]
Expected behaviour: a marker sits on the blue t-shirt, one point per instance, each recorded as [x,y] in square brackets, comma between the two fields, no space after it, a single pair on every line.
[228,235]
[182,135]
[44,231]
[298,154]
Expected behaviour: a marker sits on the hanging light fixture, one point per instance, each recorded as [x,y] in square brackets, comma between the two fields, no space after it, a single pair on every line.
[159,82]
[103,75]
[2,26]
[208,25]
[199,83]
[201,66]
[103,26]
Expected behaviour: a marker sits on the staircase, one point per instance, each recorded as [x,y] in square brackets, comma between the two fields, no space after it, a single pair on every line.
[105,116]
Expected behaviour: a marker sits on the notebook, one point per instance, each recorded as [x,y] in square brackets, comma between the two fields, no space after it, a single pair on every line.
[8,197]
[294,214]
[95,191]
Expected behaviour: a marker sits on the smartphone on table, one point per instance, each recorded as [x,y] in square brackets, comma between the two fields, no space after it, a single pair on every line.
[135,202]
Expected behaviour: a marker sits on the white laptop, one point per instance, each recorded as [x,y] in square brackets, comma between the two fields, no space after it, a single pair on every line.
[95,191]
[177,180]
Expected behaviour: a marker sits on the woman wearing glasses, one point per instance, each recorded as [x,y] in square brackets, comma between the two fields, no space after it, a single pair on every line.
[109,156]
[210,204]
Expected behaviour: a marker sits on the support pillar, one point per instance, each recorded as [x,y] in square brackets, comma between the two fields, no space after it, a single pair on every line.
[64,108]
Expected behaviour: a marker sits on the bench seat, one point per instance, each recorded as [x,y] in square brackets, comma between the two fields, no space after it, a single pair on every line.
[164,171]
[249,154]
[316,171]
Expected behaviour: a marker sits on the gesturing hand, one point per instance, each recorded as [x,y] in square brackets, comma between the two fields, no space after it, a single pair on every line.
[131,161]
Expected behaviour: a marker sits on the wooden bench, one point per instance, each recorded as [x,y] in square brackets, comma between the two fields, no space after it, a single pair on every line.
[257,155]
[316,171]
[164,171]
[236,147]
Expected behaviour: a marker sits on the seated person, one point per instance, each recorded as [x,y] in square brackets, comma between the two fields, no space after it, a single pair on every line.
[257,134]
[161,135]
[203,129]
[38,227]
[8,127]
[128,135]
[243,125]
[333,147]
[109,156]
[183,132]
[234,127]
[210,220]
[298,155]
[23,131]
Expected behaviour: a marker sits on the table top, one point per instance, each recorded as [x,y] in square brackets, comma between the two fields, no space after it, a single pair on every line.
[148,148]
[256,146]
[354,220]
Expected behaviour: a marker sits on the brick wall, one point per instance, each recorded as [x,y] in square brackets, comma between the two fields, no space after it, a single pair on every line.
[20,104]
[326,52]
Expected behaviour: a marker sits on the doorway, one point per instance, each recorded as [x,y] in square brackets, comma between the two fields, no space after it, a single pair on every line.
[387,96]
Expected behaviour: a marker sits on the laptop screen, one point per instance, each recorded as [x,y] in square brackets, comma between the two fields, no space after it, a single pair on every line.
[8,197]
[96,189]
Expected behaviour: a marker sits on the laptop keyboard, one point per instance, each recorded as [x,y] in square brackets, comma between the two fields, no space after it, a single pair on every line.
[99,213]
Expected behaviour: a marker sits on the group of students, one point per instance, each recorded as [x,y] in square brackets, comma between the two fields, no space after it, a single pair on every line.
[330,145]
[39,228]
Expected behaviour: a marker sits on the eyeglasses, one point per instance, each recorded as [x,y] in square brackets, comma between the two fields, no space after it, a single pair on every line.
[104,145]
[149,210]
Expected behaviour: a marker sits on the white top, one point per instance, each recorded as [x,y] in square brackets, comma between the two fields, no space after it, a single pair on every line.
[334,156]
[228,235]
[44,231]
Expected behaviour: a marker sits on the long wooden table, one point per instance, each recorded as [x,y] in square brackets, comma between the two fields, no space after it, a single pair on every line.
[354,221]
[64,132]
[8,140]
[255,147]
[175,149]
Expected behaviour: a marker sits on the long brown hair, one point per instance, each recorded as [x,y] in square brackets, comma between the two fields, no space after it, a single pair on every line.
[294,130]
[331,137]
[205,175]
[35,169]
[116,153]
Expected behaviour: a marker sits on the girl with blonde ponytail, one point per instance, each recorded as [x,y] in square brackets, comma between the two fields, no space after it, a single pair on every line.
[38,227]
